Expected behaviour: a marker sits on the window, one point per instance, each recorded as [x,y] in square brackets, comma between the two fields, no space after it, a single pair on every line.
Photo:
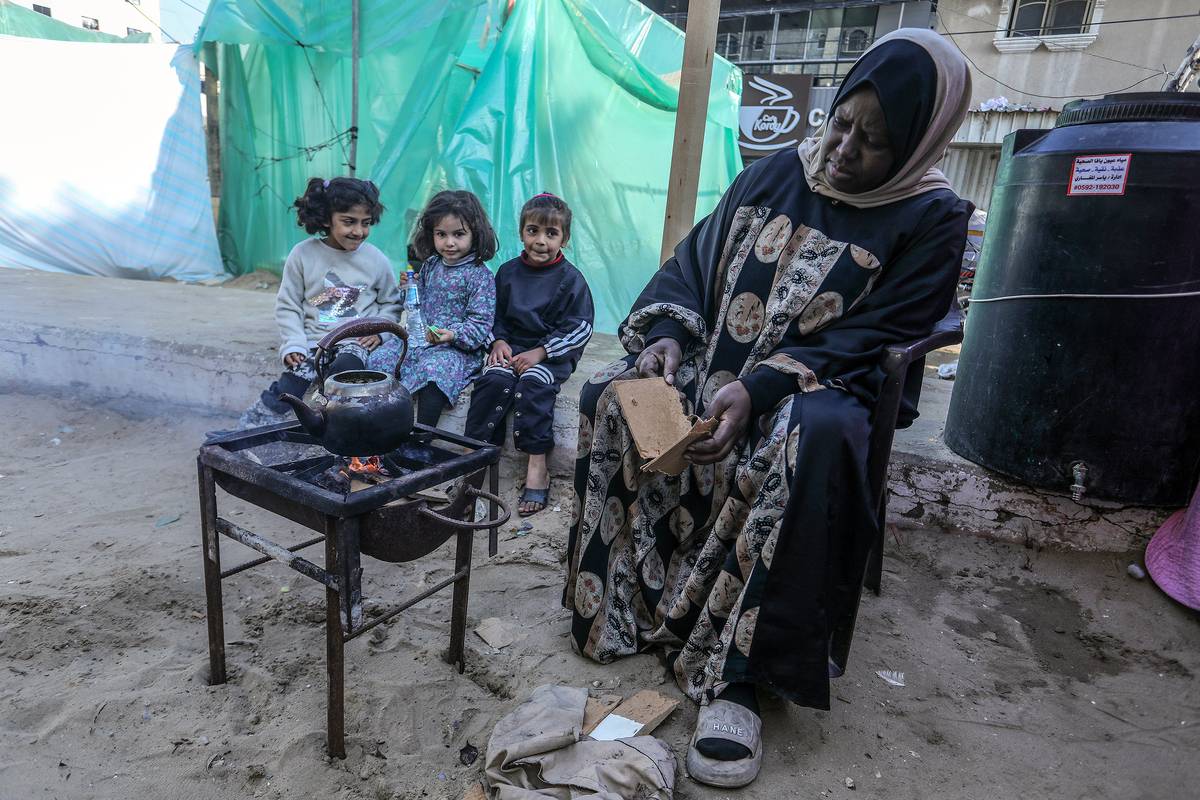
[858,30]
[828,35]
[1068,17]
[91,23]
[1050,17]
[759,36]
[793,31]
[132,31]
[42,10]
[757,69]
[824,34]
[729,38]
[828,74]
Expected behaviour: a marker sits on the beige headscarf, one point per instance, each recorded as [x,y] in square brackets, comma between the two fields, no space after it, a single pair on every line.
[919,174]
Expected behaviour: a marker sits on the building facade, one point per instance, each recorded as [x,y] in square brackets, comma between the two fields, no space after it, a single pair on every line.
[118,17]
[794,53]
[1028,59]
[1031,57]
[821,39]
[1044,53]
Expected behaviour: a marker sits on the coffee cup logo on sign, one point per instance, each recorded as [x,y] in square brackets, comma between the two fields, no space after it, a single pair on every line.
[768,124]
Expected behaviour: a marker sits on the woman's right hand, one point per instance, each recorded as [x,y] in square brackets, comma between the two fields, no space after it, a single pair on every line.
[660,359]
[500,354]
[293,360]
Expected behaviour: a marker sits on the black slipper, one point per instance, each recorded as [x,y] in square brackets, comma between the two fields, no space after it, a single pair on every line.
[541,496]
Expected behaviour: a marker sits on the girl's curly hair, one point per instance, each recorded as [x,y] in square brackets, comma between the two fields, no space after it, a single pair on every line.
[547,209]
[466,207]
[324,198]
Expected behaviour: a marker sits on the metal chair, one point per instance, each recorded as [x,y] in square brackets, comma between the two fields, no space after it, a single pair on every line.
[903,367]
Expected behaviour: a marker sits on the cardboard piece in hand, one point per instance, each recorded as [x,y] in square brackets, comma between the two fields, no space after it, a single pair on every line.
[661,431]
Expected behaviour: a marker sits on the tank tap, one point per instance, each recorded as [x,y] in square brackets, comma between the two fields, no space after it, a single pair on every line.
[1079,471]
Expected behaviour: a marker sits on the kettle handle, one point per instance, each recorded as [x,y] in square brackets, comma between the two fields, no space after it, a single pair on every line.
[363,326]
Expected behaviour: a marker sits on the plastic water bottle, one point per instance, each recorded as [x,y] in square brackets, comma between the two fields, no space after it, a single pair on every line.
[412,305]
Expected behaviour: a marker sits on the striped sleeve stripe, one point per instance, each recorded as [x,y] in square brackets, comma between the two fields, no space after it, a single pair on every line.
[563,344]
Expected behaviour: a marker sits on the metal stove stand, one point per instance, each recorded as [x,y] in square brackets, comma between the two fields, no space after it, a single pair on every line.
[386,521]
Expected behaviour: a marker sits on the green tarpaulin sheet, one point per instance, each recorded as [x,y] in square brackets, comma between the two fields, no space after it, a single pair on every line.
[575,97]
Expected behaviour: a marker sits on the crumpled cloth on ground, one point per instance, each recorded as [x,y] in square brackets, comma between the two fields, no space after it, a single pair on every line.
[535,753]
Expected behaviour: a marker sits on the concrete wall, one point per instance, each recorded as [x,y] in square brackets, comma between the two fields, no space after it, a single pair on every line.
[1094,68]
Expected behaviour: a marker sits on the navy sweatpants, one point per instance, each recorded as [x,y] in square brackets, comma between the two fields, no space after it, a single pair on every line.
[530,397]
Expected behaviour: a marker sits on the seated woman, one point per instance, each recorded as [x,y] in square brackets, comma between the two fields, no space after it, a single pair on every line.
[771,316]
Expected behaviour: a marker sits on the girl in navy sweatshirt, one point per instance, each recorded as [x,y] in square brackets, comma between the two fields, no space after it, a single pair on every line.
[543,321]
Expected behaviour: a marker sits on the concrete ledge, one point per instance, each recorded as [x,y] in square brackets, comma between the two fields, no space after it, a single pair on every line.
[933,487]
[199,347]
[940,494]
[213,350]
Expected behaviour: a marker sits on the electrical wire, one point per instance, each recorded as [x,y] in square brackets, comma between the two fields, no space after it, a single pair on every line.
[1084,296]
[192,7]
[321,94]
[263,186]
[949,32]
[308,152]
[1028,93]
[1101,22]
[138,9]
[1155,70]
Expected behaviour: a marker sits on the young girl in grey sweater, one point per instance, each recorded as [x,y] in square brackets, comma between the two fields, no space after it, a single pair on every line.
[330,280]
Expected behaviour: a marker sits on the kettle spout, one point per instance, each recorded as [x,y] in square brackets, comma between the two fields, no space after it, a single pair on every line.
[311,419]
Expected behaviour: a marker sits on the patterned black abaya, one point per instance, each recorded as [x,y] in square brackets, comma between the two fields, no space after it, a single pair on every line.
[747,566]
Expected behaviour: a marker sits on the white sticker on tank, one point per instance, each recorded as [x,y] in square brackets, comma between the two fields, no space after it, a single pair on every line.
[1103,174]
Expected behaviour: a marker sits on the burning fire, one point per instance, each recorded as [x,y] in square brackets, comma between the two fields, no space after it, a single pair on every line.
[354,473]
[371,465]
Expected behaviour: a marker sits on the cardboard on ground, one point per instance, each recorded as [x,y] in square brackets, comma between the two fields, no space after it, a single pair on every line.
[660,429]
[635,716]
[597,708]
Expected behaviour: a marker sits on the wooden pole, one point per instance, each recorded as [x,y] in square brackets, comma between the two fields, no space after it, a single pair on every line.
[695,79]
[212,129]
[354,39]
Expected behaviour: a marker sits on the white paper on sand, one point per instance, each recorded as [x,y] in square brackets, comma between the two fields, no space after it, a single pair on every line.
[614,727]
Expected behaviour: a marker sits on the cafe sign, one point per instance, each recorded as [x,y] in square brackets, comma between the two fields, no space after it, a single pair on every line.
[773,113]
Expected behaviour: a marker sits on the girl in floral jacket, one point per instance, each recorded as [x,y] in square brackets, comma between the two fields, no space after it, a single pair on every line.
[458,303]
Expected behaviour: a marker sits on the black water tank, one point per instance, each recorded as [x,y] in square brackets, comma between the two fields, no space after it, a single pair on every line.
[1071,357]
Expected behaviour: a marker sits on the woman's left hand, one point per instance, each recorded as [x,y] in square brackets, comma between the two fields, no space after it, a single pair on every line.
[370,342]
[731,404]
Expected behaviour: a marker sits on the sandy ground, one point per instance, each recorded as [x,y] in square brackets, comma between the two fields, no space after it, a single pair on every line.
[1028,674]
[260,280]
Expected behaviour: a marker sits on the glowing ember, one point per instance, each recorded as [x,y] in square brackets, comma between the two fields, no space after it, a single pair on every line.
[355,473]
[370,465]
